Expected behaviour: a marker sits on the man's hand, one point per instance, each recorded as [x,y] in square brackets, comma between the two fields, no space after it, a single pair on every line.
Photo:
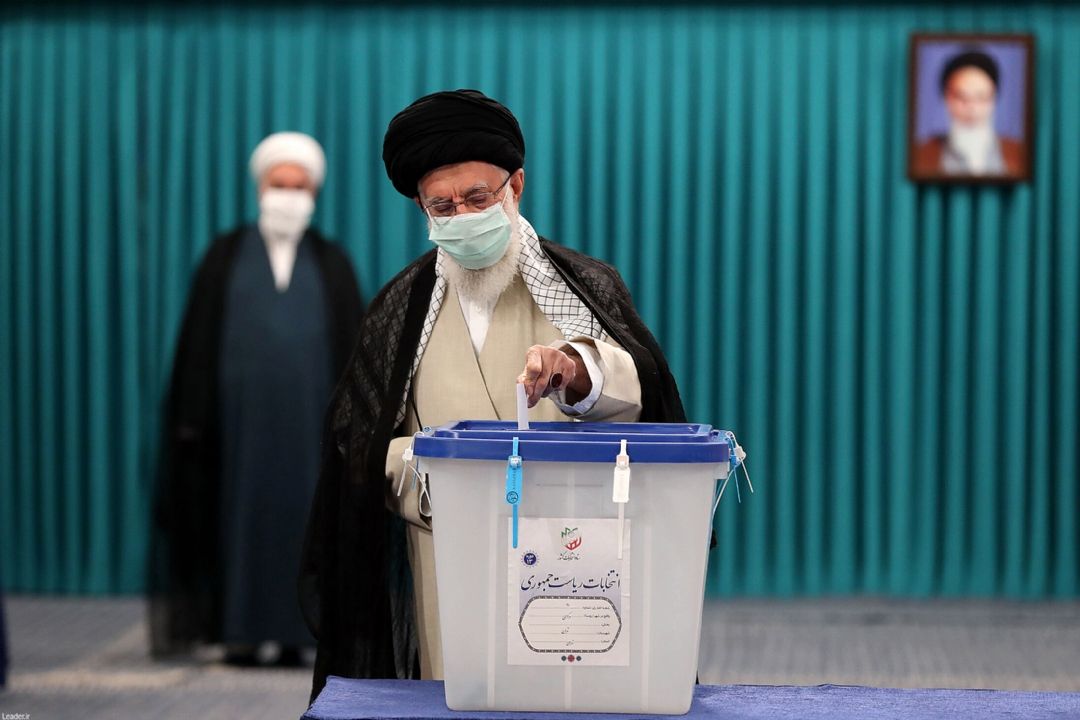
[548,369]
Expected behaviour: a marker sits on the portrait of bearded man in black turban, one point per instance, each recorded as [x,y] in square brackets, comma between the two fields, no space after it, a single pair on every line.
[971,107]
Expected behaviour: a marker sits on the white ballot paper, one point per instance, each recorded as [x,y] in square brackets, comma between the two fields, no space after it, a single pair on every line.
[569,593]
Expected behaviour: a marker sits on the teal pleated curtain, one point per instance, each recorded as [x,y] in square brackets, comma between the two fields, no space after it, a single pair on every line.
[900,361]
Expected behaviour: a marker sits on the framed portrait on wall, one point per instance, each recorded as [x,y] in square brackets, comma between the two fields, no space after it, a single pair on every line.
[970,108]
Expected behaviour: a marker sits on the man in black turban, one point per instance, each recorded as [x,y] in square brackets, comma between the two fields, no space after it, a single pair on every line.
[446,339]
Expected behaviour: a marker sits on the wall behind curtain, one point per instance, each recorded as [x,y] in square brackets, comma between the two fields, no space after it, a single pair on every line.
[899,361]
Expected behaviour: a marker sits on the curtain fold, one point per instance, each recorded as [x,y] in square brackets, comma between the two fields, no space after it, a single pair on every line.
[899,360]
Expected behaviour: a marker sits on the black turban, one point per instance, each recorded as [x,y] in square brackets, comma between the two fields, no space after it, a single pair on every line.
[971,58]
[450,127]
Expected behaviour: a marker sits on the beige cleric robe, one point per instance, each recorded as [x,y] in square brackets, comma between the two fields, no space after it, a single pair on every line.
[453,383]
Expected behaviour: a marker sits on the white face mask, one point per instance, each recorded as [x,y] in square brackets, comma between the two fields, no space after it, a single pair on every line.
[285,214]
[475,240]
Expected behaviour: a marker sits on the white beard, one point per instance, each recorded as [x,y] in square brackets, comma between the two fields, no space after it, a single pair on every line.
[484,286]
[973,143]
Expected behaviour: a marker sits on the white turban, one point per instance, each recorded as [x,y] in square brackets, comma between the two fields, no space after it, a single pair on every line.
[289,147]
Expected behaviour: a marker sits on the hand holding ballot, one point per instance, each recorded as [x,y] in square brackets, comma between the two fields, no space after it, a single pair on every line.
[549,369]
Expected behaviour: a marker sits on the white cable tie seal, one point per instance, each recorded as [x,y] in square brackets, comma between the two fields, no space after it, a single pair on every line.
[620,489]
[736,459]
[424,495]
[740,454]
[746,473]
[720,494]
[406,457]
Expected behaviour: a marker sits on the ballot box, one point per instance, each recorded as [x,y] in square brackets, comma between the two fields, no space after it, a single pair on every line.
[570,561]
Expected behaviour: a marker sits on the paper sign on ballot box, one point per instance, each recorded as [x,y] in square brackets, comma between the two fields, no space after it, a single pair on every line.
[568,593]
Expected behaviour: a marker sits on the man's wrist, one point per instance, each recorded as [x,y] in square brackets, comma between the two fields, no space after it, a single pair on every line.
[580,388]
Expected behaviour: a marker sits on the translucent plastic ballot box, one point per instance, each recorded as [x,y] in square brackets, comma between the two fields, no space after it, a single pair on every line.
[570,561]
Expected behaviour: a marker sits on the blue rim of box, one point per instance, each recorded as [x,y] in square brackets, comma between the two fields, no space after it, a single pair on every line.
[683,443]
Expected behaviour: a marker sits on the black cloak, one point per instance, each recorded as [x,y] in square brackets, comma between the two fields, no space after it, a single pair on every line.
[351,588]
[185,583]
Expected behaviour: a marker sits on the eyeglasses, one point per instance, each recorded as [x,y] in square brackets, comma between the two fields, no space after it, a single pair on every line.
[442,210]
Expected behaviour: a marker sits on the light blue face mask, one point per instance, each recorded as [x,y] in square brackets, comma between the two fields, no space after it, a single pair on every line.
[474,240]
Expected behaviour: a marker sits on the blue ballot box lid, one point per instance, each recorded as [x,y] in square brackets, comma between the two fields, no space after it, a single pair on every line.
[575,442]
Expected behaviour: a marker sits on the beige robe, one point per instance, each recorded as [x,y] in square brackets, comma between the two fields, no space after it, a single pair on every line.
[453,383]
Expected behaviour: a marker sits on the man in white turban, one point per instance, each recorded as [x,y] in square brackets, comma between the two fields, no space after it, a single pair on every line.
[271,318]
